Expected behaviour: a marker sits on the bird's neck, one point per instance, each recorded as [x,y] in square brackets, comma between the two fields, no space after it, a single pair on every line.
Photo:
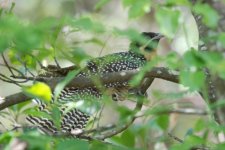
[147,55]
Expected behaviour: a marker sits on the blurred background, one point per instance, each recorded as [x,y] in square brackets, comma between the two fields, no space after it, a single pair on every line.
[115,15]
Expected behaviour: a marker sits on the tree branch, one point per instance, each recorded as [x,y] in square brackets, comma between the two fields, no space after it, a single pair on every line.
[83,82]
[212,94]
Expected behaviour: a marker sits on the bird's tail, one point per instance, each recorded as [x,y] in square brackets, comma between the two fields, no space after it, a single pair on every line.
[69,121]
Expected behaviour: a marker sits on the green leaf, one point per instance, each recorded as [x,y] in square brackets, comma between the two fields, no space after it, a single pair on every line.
[72,144]
[126,139]
[88,24]
[6,137]
[28,38]
[220,146]
[135,81]
[193,80]
[192,58]
[4,43]
[176,2]
[39,142]
[80,57]
[39,90]
[125,113]
[37,113]
[101,3]
[189,143]
[200,125]
[137,8]
[172,60]
[60,86]
[97,145]
[210,16]
[163,121]
[215,61]
[168,21]
[56,116]
[212,58]
[220,69]
[221,39]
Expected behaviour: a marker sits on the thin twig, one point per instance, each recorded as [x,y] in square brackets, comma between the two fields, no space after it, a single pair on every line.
[185,111]
[56,62]
[7,65]
[175,138]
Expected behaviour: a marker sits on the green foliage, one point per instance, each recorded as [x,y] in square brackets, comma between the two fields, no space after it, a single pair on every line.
[221,39]
[194,80]
[210,16]
[37,141]
[72,144]
[137,8]
[39,90]
[148,66]
[101,3]
[31,41]
[103,146]
[163,121]
[175,2]
[168,21]
[127,138]
[190,142]
[60,86]
[86,23]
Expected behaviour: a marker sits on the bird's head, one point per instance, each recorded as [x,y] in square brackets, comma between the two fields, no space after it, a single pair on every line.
[147,44]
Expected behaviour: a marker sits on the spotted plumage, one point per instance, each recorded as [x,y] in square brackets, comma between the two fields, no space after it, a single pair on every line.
[116,62]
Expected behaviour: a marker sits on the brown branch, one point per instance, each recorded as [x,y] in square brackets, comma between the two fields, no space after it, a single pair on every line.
[83,82]
[7,65]
[13,99]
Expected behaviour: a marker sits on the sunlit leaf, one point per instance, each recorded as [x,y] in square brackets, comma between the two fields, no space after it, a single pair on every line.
[39,90]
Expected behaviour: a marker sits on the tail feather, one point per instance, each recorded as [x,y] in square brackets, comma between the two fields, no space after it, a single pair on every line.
[74,119]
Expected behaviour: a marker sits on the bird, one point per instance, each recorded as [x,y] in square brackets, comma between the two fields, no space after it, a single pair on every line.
[139,53]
